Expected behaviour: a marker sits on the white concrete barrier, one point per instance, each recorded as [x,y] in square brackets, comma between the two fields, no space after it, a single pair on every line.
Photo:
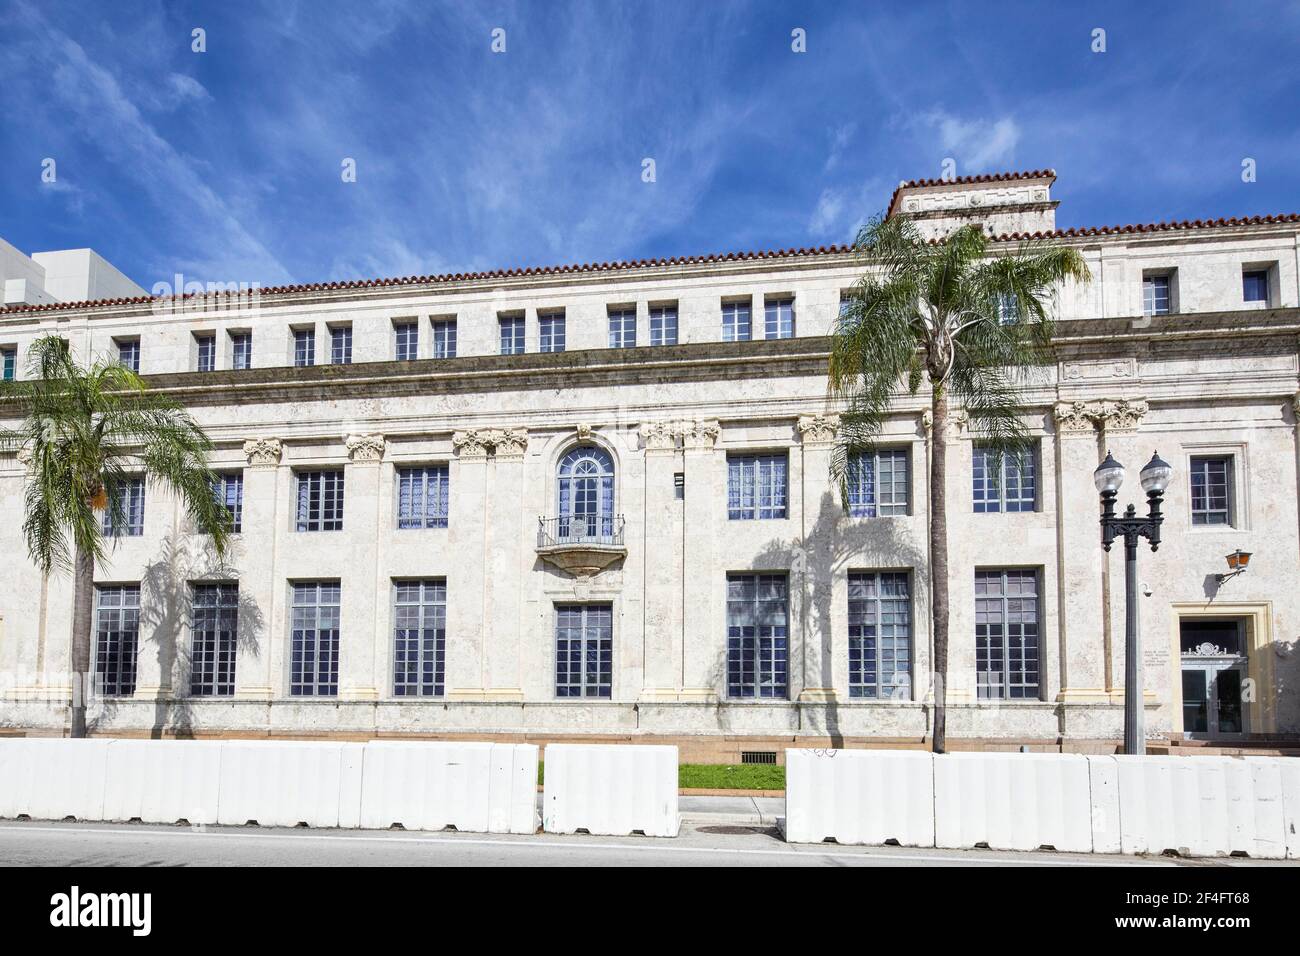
[478,787]
[163,781]
[281,783]
[1103,798]
[1012,801]
[1255,810]
[1289,772]
[614,789]
[52,778]
[1173,803]
[859,796]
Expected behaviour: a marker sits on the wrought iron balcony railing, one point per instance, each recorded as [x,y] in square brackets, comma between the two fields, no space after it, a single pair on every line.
[606,530]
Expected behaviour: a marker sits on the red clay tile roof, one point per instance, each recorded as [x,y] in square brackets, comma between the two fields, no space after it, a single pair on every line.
[831,250]
[968,180]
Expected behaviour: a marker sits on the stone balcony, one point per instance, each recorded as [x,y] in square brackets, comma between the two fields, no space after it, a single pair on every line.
[582,545]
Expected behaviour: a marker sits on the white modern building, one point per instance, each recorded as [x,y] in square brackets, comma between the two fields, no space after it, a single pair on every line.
[594,501]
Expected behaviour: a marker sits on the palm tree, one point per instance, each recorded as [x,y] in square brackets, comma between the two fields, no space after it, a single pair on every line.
[974,326]
[85,434]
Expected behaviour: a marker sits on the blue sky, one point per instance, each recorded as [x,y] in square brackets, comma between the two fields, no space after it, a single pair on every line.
[226,165]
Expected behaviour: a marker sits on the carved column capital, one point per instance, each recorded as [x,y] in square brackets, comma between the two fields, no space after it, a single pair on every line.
[700,435]
[365,448]
[263,452]
[818,429]
[472,444]
[1076,419]
[1123,415]
[509,443]
[660,437]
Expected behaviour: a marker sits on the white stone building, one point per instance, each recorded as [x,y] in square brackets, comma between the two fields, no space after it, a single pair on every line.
[469,507]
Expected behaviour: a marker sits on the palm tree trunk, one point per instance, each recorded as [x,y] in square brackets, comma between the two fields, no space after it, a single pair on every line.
[83,591]
[939,562]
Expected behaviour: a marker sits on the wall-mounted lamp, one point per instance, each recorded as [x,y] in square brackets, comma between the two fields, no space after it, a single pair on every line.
[1238,561]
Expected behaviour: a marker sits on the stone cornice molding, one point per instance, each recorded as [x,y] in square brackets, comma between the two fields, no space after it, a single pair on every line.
[818,430]
[263,452]
[365,448]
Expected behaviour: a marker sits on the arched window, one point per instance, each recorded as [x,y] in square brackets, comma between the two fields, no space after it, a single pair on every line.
[586,478]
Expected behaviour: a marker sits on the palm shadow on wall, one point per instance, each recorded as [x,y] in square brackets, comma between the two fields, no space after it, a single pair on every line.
[834,544]
[166,591]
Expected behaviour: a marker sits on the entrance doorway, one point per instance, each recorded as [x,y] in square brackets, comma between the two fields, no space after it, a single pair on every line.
[1214,675]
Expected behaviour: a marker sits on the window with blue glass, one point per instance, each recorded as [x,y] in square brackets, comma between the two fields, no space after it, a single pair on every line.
[1211,484]
[127,518]
[778,319]
[878,483]
[663,325]
[128,354]
[205,346]
[880,636]
[1006,634]
[512,335]
[757,636]
[320,501]
[1006,482]
[586,494]
[444,338]
[1254,285]
[584,650]
[241,350]
[215,636]
[737,325]
[419,637]
[117,638]
[622,328]
[228,489]
[340,345]
[314,639]
[423,496]
[407,338]
[304,347]
[756,486]
[8,362]
[550,327]
[1156,298]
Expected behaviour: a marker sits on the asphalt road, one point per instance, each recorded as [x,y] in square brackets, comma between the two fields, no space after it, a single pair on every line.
[42,843]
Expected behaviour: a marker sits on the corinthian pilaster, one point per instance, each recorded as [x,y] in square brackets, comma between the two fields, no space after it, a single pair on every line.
[700,435]
[818,429]
[263,452]
[365,448]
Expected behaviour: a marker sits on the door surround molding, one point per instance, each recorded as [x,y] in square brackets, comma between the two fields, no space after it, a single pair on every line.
[1261,714]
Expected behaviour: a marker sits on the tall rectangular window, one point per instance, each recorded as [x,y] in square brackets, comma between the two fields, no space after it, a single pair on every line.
[1006,634]
[584,650]
[130,523]
[663,325]
[756,486]
[228,489]
[320,501]
[878,483]
[407,339]
[216,636]
[1211,483]
[622,328]
[341,345]
[1254,285]
[419,637]
[551,328]
[757,635]
[880,636]
[205,352]
[737,325]
[241,350]
[512,335]
[422,497]
[779,319]
[8,363]
[304,347]
[117,638]
[1003,483]
[314,650]
[128,354]
[444,338]
[1155,295]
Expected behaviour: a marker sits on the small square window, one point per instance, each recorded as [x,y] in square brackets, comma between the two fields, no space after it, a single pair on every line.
[622,328]
[9,362]
[1211,483]
[1254,285]
[1156,294]
[304,347]
[407,341]
[663,325]
[128,353]
[241,350]
[444,338]
[737,323]
[551,329]
[512,334]
[779,319]
[205,351]
[341,345]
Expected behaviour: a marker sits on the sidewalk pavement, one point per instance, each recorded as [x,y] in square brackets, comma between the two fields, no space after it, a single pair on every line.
[725,811]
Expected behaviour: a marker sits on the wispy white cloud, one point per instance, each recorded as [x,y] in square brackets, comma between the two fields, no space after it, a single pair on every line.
[977,144]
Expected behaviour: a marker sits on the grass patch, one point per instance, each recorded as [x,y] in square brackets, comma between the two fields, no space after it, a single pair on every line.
[711,776]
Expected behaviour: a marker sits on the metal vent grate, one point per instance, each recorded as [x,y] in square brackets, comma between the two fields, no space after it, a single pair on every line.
[758,756]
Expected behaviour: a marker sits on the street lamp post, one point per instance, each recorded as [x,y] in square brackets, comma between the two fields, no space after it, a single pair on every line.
[1108,478]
